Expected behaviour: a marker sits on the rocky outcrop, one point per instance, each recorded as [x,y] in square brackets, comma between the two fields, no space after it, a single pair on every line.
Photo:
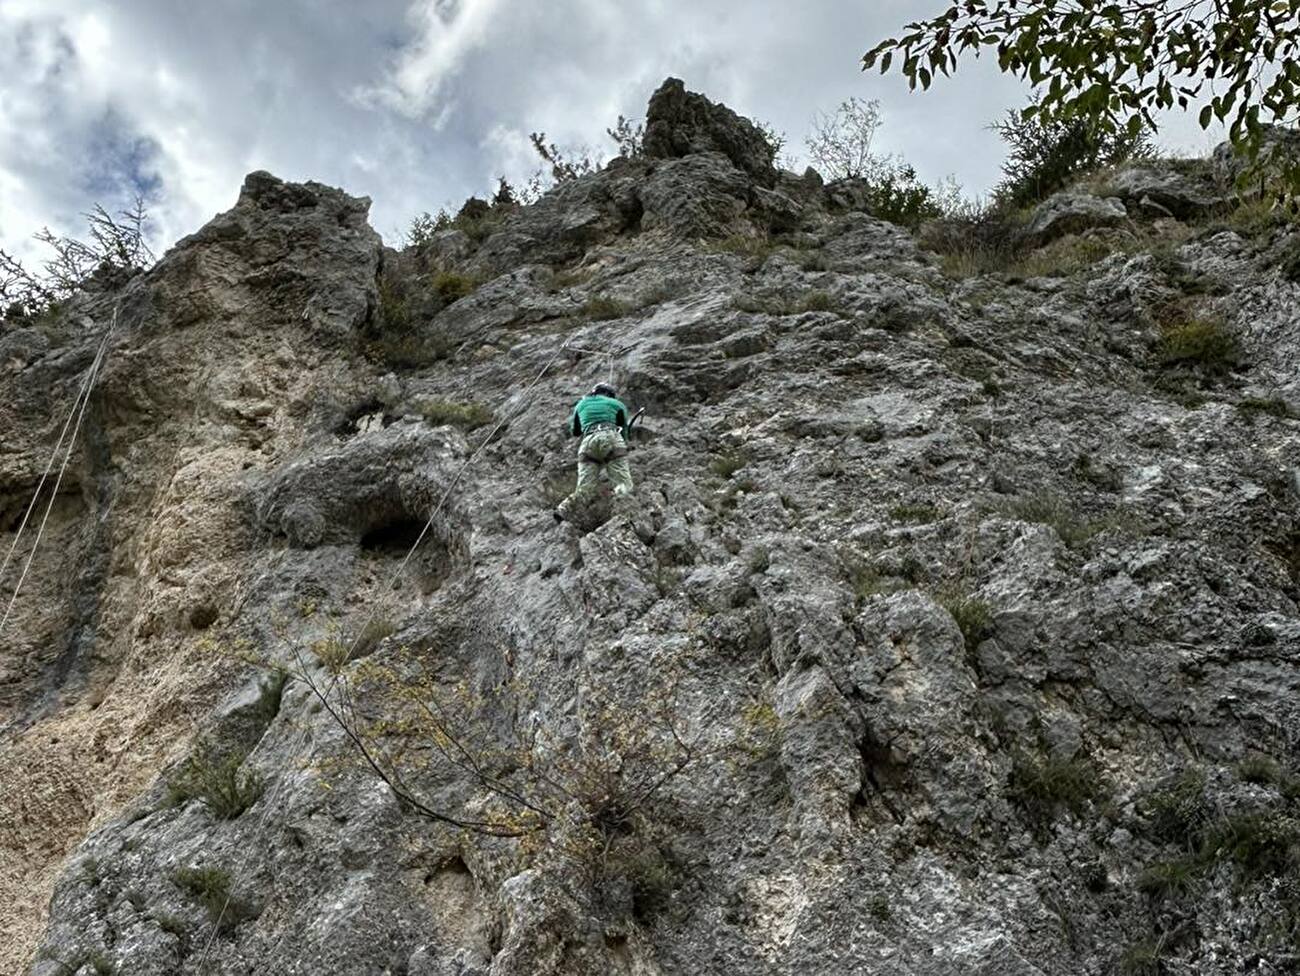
[228,348]
[1184,191]
[1071,212]
[1279,149]
[953,628]
[680,123]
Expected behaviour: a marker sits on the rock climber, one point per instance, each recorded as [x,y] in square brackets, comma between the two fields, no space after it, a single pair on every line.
[603,423]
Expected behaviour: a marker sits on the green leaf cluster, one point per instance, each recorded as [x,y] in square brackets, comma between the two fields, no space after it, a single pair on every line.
[1116,64]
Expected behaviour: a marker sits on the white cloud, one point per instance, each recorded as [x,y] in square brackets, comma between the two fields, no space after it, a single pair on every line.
[445,32]
[418,103]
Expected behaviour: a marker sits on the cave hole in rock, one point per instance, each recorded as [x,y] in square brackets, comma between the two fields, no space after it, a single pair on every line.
[454,865]
[15,505]
[12,507]
[393,536]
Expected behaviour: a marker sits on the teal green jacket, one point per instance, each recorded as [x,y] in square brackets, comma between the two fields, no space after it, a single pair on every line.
[593,409]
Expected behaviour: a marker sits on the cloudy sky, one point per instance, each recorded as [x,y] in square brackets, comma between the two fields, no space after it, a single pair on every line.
[418,103]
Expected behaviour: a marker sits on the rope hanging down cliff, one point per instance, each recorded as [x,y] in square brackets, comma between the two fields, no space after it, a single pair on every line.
[79,405]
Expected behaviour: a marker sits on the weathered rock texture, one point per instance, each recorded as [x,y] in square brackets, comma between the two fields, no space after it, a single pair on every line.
[944,622]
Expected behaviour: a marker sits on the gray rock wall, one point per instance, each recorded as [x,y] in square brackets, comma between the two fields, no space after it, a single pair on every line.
[953,629]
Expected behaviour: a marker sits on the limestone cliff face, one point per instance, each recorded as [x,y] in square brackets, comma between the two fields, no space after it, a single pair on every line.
[954,629]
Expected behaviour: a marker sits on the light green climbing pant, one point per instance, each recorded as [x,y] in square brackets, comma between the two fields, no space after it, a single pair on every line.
[600,449]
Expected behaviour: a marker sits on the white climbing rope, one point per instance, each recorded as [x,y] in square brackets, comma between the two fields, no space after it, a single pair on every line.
[608,355]
[49,466]
[88,387]
[305,744]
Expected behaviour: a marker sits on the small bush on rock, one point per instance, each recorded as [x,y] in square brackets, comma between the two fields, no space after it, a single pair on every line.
[1167,879]
[866,582]
[1057,512]
[915,513]
[114,249]
[1042,786]
[898,196]
[1263,406]
[973,616]
[817,301]
[1201,343]
[467,416]
[478,219]
[332,651]
[976,243]
[398,337]
[728,463]
[1063,257]
[599,308]
[1043,157]
[1143,958]
[1267,771]
[1261,844]
[172,925]
[214,778]
[451,285]
[841,142]
[210,887]
[394,304]
[1178,810]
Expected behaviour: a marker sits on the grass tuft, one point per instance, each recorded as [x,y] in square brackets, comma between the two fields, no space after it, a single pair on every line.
[215,779]
[1042,786]
[374,631]
[451,285]
[817,301]
[915,514]
[598,308]
[1253,407]
[974,617]
[1200,343]
[1167,879]
[1055,511]
[467,416]
[751,247]
[210,887]
[1142,959]
[727,464]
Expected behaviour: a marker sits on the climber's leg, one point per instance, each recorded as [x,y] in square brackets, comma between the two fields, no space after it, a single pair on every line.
[588,479]
[590,455]
[620,471]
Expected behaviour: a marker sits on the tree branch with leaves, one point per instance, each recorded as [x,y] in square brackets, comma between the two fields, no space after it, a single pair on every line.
[115,244]
[1116,64]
